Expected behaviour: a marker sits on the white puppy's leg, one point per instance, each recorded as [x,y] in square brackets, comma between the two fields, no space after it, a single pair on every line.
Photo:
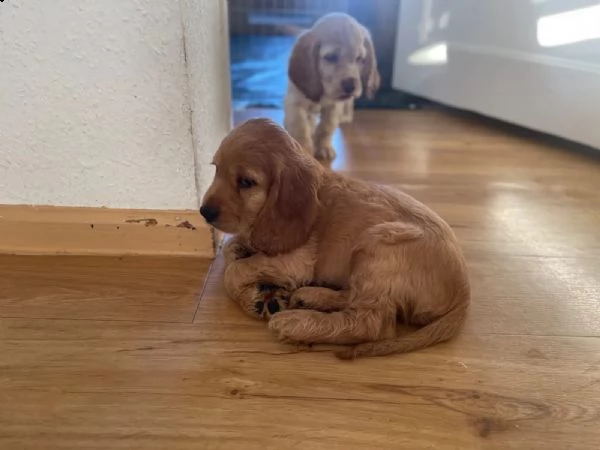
[299,123]
[347,111]
[330,120]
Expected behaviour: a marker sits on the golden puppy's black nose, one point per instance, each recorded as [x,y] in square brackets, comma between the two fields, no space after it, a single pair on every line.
[210,213]
[348,85]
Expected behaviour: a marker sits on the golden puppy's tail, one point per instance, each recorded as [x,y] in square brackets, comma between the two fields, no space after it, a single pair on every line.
[440,330]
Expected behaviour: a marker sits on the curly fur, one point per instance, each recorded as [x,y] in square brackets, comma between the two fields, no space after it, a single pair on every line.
[347,259]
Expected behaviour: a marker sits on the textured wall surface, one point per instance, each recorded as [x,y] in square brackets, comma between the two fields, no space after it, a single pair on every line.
[207,48]
[94,102]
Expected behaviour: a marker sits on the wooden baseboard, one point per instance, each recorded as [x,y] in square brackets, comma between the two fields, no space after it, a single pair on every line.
[44,230]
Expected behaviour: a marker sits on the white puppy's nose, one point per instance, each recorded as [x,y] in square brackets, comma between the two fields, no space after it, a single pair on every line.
[348,85]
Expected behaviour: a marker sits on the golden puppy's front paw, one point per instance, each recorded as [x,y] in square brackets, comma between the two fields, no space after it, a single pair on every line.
[290,326]
[300,299]
[263,301]
[325,153]
[271,300]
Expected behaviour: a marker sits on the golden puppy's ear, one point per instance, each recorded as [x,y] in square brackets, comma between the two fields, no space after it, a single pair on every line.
[290,211]
[370,75]
[303,69]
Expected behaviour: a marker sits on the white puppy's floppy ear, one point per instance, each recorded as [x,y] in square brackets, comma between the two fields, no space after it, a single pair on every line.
[303,69]
[370,75]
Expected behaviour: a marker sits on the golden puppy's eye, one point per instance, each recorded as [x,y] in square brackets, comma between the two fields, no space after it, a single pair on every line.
[331,58]
[245,183]
[360,59]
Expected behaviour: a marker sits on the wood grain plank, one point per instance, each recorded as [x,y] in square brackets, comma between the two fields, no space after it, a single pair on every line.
[101,288]
[234,385]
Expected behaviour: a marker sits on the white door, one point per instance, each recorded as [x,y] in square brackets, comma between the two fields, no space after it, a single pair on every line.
[535,63]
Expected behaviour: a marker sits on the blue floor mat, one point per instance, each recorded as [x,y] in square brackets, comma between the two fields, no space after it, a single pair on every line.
[259,70]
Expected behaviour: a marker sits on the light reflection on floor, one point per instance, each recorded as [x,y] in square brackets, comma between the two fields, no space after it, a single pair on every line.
[541,229]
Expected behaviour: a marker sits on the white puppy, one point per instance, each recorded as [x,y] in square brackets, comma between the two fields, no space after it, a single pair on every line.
[331,64]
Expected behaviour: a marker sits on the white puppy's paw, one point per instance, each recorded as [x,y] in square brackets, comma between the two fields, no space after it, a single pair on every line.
[325,153]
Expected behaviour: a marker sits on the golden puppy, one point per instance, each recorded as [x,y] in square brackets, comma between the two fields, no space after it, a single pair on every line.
[331,64]
[375,256]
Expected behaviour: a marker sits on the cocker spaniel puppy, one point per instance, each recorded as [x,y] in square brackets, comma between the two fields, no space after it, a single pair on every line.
[331,65]
[357,258]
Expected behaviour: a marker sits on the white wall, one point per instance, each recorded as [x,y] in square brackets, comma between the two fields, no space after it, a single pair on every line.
[207,44]
[497,58]
[95,102]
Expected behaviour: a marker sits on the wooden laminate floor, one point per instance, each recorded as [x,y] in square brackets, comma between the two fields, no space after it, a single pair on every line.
[109,353]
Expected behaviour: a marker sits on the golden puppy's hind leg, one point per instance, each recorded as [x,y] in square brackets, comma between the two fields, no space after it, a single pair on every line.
[440,330]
